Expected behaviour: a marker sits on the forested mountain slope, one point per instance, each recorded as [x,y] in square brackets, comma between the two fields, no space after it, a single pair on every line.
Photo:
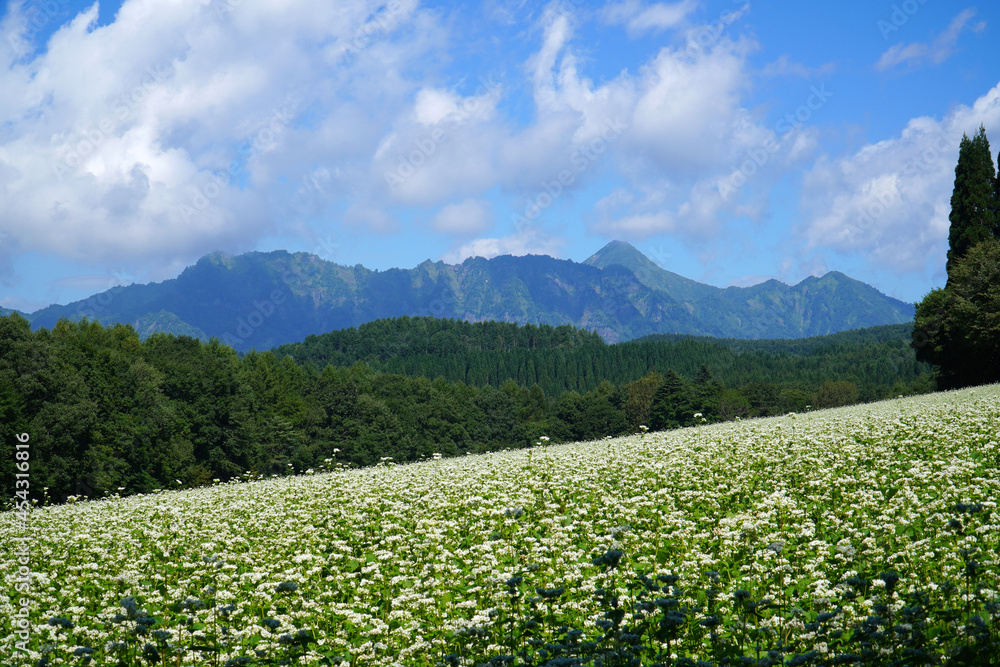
[260,300]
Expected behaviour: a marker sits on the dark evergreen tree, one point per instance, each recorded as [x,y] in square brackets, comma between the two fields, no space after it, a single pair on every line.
[639,400]
[705,394]
[598,417]
[671,404]
[732,405]
[996,200]
[958,328]
[974,198]
[834,393]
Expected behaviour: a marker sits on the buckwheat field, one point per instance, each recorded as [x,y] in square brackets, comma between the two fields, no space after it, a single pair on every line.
[862,535]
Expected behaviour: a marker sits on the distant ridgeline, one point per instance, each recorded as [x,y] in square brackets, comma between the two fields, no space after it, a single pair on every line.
[568,359]
[260,300]
[108,412]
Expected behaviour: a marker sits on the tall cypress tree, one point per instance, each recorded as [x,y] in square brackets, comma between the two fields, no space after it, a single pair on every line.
[956,327]
[996,200]
[974,199]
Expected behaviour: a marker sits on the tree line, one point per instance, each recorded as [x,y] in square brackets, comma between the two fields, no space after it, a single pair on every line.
[957,327]
[878,360]
[110,413]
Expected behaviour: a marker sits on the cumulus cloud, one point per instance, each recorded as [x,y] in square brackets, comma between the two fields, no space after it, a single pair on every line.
[693,147]
[679,115]
[188,126]
[446,147]
[179,127]
[641,225]
[184,127]
[685,111]
[936,51]
[467,218]
[890,200]
[685,125]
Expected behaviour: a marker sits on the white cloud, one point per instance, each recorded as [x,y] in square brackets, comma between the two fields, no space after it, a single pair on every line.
[181,129]
[785,66]
[687,114]
[685,126]
[936,51]
[640,225]
[639,18]
[468,217]
[185,126]
[370,219]
[890,201]
[542,65]
[433,106]
[529,243]
[686,130]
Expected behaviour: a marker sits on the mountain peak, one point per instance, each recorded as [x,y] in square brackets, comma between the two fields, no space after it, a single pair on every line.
[266,299]
[616,252]
[620,244]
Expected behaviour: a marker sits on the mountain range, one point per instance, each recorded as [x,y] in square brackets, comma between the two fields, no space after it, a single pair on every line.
[261,300]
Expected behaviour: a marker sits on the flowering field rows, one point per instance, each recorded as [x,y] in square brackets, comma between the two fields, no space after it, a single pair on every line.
[770,538]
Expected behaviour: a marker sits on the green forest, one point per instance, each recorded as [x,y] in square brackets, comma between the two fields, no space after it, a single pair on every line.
[878,360]
[109,413]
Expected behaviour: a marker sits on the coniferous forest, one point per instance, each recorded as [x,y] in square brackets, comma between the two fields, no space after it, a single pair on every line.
[110,413]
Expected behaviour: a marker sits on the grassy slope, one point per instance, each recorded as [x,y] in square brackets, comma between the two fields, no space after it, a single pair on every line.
[390,563]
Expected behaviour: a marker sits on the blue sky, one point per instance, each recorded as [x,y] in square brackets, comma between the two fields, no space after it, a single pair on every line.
[731,142]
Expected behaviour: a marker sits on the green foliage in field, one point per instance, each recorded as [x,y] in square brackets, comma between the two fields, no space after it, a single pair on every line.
[110,413]
[867,535]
